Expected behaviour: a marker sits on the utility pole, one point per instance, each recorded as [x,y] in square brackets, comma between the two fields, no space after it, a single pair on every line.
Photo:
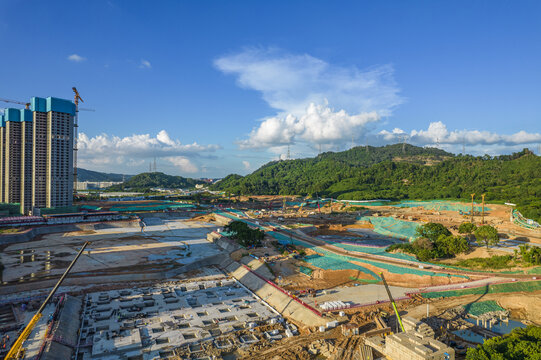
[483,209]
[472,195]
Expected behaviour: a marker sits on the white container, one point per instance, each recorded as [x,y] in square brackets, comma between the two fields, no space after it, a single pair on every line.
[332,324]
[341,313]
[322,329]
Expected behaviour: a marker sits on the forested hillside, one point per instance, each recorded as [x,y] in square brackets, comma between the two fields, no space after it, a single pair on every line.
[145,181]
[388,173]
[89,175]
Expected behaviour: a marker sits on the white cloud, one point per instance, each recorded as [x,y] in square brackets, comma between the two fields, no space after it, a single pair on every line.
[183,163]
[145,64]
[319,124]
[437,133]
[76,58]
[305,91]
[107,151]
[246,165]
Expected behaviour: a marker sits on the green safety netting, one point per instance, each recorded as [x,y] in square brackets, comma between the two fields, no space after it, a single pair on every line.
[365,203]
[333,263]
[305,270]
[154,206]
[528,286]
[441,205]
[370,250]
[90,207]
[59,210]
[390,226]
[482,307]
[10,209]
[328,260]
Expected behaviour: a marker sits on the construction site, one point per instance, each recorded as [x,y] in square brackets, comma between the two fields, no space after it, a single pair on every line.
[167,280]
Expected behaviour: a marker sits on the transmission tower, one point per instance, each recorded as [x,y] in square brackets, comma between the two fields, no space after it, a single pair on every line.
[288,153]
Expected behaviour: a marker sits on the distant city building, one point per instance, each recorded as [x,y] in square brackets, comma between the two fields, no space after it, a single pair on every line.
[90,185]
[36,154]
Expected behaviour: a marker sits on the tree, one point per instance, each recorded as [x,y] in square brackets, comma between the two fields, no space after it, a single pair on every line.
[467,228]
[520,344]
[244,235]
[432,231]
[453,245]
[486,235]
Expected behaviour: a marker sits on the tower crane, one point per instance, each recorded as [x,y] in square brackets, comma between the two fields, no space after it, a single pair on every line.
[76,97]
[17,351]
[26,104]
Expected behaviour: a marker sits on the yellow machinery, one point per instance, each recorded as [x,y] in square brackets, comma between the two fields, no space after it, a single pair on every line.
[17,350]
[392,301]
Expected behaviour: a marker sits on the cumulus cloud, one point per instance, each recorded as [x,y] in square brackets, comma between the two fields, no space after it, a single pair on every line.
[183,163]
[319,124]
[437,133]
[145,64]
[315,101]
[76,58]
[132,151]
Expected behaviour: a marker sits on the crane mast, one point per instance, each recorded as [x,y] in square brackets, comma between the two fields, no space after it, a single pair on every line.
[77,97]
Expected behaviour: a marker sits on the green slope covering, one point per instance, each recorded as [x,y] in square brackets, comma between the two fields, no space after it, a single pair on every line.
[528,286]
[145,181]
[388,173]
[482,307]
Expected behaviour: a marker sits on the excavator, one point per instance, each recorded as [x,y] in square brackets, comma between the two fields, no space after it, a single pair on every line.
[17,351]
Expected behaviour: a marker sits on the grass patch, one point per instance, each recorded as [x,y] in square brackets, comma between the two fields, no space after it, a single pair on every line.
[366,281]
[528,286]
[494,262]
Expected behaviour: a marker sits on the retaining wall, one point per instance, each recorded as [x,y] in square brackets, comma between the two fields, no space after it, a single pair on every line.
[30,234]
[274,296]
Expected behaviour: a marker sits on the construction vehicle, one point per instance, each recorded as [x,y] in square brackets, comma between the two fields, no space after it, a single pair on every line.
[17,351]
[392,301]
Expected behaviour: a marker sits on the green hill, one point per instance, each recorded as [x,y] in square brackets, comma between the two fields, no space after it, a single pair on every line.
[145,181]
[89,175]
[390,173]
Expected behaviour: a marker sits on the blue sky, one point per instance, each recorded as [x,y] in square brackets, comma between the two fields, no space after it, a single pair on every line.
[214,87]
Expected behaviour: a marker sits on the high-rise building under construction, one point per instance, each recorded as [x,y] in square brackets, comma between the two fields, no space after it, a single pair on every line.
[36,154]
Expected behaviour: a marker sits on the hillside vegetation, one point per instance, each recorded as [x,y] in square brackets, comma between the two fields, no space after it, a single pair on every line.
[371,173]
[89,175]
[145,181]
